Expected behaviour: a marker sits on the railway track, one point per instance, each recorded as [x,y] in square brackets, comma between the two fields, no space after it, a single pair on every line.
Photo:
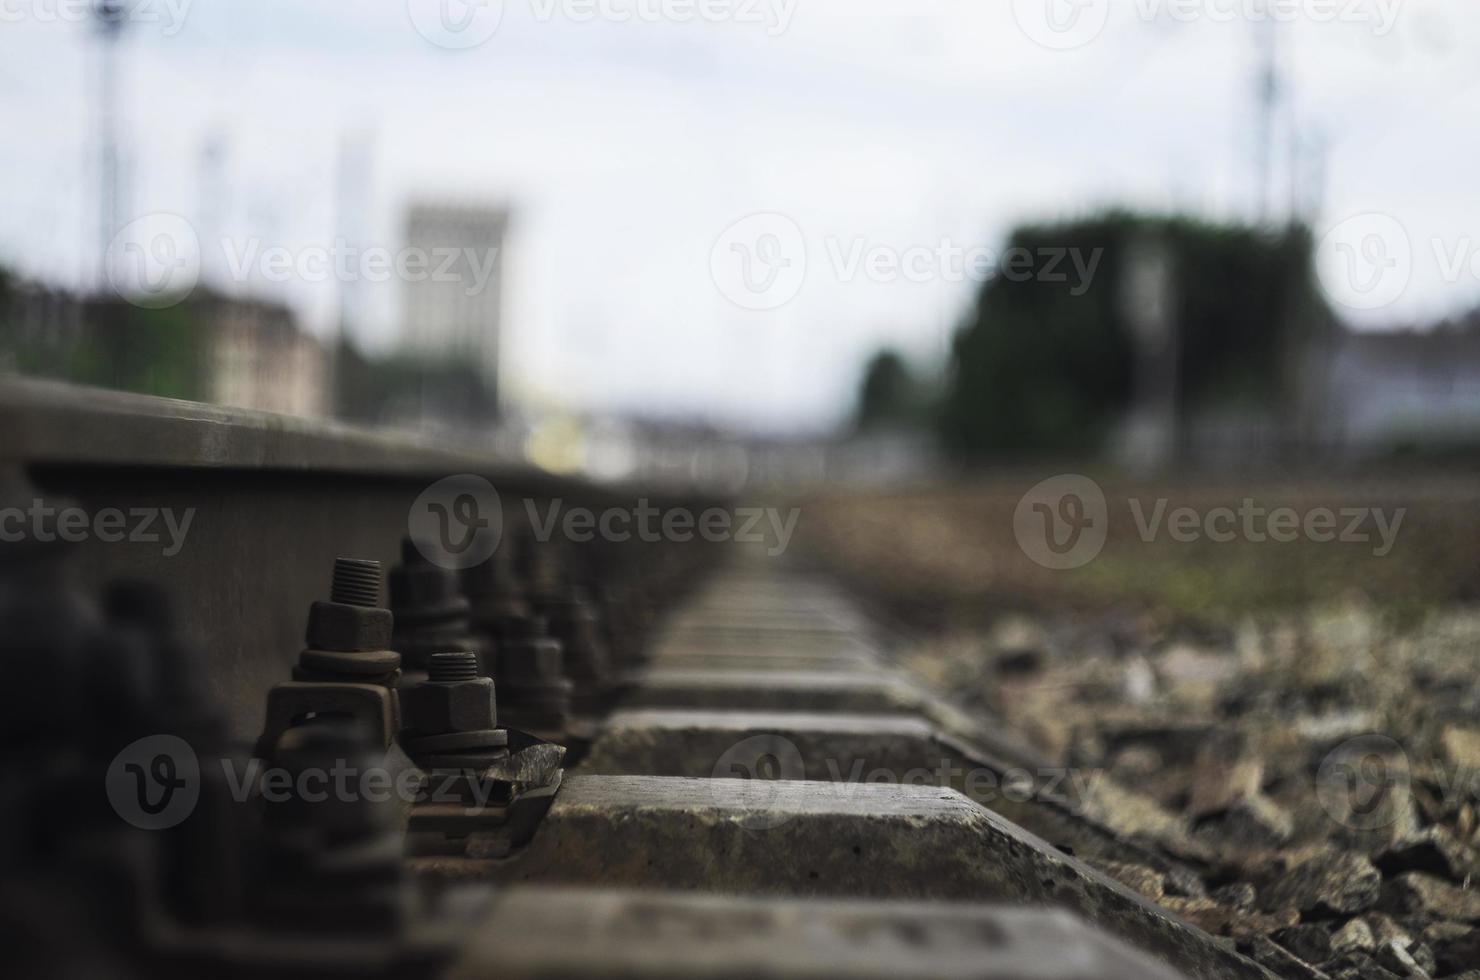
[715,770]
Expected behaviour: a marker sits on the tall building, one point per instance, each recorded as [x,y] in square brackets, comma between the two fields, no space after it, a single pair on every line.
[452,306]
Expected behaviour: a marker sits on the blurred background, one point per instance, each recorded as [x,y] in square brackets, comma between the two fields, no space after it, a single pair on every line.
[785,240]
[967,282]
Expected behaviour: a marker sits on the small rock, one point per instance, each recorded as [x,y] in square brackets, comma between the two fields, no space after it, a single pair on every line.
[1280,961]
[1140,681]
[1220,920]
[1185,883]
[1311,943]
[1424,957]
[1456,946]
[1434,851]
[1326,883]
[1418,894]
[1356,966]
[1251,823]
[1461,747]
[1226,773]
[1354,937]
[1398,958]
[1136,877]
[1239,895]
[1384,928]
[1020,662]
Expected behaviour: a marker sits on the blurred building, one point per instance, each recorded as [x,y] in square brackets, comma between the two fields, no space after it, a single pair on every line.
[453,311]
[1409,388]
[259,358]
[239,352]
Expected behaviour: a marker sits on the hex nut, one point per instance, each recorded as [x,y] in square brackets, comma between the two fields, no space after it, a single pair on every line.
[463,706]
[344,628]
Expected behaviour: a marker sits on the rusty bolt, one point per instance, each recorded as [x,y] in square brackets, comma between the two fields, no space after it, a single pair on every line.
[356,582]
[454,698]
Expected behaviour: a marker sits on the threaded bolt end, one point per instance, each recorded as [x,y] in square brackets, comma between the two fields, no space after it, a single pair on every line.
[356,582]
[448,668]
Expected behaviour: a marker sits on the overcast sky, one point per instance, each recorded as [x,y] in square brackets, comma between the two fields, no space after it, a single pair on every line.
[626,145]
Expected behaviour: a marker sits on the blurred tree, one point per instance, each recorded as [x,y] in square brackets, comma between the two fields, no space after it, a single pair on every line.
[1047,361]
[889,393]
[52,333]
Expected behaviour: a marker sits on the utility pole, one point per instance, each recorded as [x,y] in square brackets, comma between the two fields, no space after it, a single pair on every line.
[1267,96]
[352,176]
[109,16]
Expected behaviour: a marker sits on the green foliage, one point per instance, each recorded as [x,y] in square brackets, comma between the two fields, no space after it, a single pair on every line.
[1040,369]
[114,345]
[889,394]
